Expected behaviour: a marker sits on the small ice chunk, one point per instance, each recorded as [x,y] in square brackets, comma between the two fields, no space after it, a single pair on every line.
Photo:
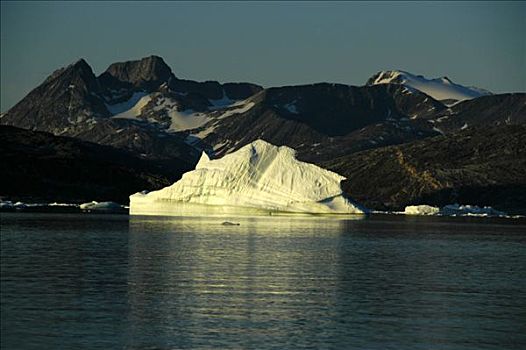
[469,210]
[101,206]
[421,210]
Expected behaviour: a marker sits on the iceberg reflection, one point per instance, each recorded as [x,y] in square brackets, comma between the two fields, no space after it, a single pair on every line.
[193,277]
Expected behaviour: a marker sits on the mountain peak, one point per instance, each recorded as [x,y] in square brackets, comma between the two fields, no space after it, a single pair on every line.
[446,80]
[149,71]
[81,62]
[82,68]
[154,58]
[78,73]
[440,88]
[387,77]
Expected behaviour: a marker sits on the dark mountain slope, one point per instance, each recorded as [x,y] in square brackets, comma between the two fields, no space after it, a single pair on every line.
[485,166]
[69,95]
[40,166]
[326,117]
[492,110]
[74,102]
[326,121]
[148,73]
[151,72]
[141,107]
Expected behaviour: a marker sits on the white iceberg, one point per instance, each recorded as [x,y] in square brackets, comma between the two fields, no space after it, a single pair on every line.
[6,204]
[20,205]
[469,210]
[259,178]
[101,206]
[453,210]
[421,210]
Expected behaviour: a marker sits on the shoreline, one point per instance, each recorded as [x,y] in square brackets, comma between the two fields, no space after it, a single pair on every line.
[115,208]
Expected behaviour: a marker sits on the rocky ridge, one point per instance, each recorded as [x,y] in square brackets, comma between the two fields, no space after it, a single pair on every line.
[143,108]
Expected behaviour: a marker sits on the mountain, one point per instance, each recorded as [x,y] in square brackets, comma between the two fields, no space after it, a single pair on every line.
[485,111]
[41,166]
[68,96]
[148,73]
[129,106]
[141,107]
[320,119]
[324,121]
[484,166]
[259,177]
[441,89]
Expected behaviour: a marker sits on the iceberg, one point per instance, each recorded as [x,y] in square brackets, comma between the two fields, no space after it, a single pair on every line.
[453,210]
[101,206]
[470,210]
[259,178]
[421,210]
[6,205]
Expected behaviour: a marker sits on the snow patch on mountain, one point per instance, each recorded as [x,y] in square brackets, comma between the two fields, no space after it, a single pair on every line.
[441,89]
[179,120]
[291,107]
[189,119]
[205,132]
[135,110]
[123,107]
[257,178]
[223,102]
[438,130]
[186,120]
[241,109]
[216,120]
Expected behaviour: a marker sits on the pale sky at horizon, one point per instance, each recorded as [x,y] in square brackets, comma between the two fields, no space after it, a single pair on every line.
[272,43]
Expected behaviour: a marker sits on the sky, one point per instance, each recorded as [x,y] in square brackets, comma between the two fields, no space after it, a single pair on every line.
[269,43]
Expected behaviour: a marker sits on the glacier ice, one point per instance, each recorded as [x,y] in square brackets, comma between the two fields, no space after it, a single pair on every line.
[131,108]
[259,178]
[421,210]
[101,206]
[470,210]
[453,210]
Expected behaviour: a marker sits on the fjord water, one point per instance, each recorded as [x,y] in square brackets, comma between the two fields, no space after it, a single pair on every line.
[119,282]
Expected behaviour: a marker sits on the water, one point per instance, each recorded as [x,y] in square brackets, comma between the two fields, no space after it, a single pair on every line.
[112,282]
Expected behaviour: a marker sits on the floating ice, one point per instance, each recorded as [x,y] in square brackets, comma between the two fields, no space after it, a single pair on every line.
[259,178]
[470,210]
[453,210]
[102,206]
[421,210]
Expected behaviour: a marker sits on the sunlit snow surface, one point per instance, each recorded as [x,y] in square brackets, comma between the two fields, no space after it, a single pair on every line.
[259,178]
[131,108]
[439,89]
[102,206]
[180,119]
[421,210]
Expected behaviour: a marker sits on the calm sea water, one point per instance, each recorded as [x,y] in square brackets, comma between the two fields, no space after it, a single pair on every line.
[112,282]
